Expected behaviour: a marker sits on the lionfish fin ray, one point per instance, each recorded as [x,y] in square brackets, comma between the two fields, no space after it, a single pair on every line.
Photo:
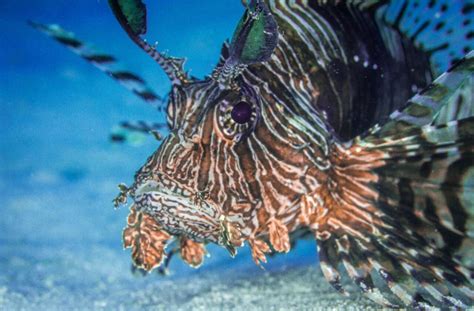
[400,199]
[135,132]
[448,98]
[103,61]
[442,28]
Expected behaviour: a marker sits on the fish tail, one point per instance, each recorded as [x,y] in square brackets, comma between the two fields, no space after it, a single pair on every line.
[401,201]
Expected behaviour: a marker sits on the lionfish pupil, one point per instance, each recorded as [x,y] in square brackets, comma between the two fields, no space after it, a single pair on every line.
[242,112]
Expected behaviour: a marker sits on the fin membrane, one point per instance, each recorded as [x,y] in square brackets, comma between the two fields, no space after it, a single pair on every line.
[442,28]
[401,208]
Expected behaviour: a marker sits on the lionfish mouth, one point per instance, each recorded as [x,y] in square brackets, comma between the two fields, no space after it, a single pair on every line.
[182,212]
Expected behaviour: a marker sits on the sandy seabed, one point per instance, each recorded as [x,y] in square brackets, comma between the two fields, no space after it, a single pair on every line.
[62,279]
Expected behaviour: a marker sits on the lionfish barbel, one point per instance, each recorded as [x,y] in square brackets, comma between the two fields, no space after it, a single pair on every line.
[322,118]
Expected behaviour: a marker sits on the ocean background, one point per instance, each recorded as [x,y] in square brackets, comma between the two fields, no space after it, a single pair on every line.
[60,237]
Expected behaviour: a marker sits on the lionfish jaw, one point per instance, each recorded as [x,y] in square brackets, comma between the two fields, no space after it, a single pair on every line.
[182,214]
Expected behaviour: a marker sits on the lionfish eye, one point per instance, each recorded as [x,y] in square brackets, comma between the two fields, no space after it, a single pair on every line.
[237,118]
[242,112]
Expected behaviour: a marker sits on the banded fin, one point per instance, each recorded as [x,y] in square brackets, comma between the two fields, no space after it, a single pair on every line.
[374,70]
[135,133]
[401,205]
[444,29]
[432,106]
[329,261]
[103,61]
[415,41]
[359,4]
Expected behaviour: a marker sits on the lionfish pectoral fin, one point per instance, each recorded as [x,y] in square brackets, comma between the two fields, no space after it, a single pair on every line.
[400,205]
[450,22]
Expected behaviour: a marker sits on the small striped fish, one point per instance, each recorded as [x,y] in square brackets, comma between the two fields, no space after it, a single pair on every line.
[323,118]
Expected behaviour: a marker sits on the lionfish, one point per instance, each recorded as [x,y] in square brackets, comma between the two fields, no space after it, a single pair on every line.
[323,118]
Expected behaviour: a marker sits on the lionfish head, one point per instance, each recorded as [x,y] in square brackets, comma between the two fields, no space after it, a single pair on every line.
[213,174]
[203,171]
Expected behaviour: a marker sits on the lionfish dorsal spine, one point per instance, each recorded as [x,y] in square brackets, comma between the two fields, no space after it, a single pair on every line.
[131,14]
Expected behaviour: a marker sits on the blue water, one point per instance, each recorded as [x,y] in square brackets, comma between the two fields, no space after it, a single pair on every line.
[59,234]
